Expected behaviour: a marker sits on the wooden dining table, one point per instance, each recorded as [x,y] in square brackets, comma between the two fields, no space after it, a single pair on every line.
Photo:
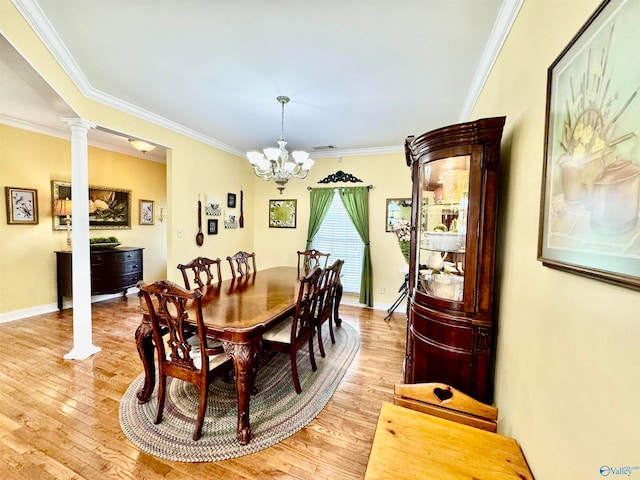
[412,445]
[237,312]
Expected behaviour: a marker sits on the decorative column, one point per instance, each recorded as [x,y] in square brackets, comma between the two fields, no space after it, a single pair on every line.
[81,259]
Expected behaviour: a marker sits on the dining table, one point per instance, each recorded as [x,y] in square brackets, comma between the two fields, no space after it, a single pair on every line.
[413,445]
[236,312]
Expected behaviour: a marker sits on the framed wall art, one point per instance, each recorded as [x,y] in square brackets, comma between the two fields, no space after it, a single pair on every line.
[212,226]
[282,213]
[212,205]
[230,218]
[231,200]
[397,209]
[22,205]
[146,212]
[590,201]
[109,208]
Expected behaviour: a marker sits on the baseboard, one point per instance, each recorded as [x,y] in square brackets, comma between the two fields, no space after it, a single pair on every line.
[53,307]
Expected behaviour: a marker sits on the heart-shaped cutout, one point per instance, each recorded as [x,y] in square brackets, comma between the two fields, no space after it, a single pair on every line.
[442,394]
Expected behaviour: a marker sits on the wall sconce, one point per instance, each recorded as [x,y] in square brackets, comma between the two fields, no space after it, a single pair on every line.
[162,215]
[141,145]
[64,207]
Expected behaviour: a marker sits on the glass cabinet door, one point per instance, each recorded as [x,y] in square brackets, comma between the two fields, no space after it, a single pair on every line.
[442,229]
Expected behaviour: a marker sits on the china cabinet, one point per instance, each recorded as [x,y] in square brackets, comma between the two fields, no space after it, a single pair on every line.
[451,321]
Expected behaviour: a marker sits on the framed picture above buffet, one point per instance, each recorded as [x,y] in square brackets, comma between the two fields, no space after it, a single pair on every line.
[109,208]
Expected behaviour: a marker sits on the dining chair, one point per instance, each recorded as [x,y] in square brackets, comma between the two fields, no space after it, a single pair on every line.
[442,400]
[294,332]
[327,299]
[201,267]
[308,259]
[182,354]
[239,263]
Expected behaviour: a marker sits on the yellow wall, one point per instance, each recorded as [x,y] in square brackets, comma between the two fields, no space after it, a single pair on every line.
[390,177]
[33,160]
[207,173]
[567,377]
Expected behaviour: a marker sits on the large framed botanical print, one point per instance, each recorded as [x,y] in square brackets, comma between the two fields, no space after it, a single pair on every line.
[590,205]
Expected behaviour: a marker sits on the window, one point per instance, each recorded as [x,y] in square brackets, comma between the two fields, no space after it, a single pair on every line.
[338,236]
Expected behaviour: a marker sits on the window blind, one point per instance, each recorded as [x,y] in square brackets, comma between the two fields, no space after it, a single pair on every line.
[338,236]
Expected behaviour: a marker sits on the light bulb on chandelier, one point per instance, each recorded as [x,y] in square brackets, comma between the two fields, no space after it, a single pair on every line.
[275,162]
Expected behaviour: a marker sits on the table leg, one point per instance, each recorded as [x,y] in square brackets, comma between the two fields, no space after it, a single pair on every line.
[244,362]
[144,342]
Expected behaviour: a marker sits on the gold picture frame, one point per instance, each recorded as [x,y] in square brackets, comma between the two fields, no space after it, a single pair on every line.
[397,209]
[22,205]
[110,208]
[147,212]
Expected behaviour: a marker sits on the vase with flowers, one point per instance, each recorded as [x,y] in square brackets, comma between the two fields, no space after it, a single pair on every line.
[402,229]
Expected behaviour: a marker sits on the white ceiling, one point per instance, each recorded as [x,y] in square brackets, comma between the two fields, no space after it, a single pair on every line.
[361,74]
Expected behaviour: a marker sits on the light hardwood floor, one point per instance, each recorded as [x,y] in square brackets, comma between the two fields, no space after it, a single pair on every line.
[59,419]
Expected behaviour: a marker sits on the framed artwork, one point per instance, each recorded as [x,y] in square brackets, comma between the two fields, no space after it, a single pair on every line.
[590,198]
[212,226]
[109,208]
[231,218]
[282,213]
[22,205]
[146,212]
[397,209]
[231,200]
[213,206]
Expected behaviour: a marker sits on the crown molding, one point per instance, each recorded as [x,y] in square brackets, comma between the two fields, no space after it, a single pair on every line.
[35,17]
[64,133]
[355,152]
[501,28]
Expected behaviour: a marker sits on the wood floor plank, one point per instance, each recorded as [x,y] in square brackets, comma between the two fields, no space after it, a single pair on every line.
[59,418]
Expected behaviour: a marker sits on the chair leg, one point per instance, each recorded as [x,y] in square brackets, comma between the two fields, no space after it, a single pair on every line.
[333,338]
[162,388]
[294,372]
[202,409]
[312,356]
[320,344]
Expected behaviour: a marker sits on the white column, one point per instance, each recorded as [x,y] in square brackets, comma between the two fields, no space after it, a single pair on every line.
[83,346]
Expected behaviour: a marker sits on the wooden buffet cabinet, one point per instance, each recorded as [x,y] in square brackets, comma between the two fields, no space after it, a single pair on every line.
[450,334]
[113,270]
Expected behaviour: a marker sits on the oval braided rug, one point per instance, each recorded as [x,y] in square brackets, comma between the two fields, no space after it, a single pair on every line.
[276,411]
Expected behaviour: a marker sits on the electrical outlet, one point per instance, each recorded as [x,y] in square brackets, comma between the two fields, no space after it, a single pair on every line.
[382,290]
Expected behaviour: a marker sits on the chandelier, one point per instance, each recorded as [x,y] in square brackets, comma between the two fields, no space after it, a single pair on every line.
[275,162]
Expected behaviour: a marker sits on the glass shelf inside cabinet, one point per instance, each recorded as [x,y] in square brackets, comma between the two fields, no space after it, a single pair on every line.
[443,227]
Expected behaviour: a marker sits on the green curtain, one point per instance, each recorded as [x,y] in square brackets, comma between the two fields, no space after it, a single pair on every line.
[320,202]
[356,203]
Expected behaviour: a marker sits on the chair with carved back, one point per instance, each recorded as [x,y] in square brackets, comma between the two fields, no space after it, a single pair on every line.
[296,331]
[442,400]
[308,259]
[326,300]
[242,263]
[200,269]
[182,354]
